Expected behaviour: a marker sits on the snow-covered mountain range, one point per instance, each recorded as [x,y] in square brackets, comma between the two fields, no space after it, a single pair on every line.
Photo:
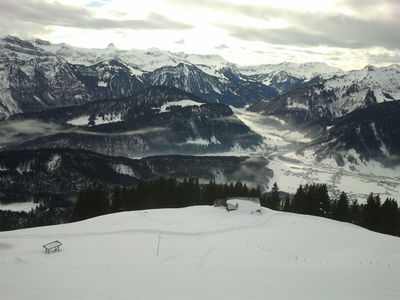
[340,101]
[34,75]
[336,96]
[137,103]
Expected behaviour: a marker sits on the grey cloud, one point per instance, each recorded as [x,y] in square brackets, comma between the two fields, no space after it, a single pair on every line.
[393,58]
[330,31]
[54,13]
[180,42]
[20,131]
[312,29]
[360,4]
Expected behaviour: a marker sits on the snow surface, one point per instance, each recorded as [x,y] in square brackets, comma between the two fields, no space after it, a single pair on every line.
[105,119]
[203,142]
[124,170]
[204,253]
[18,206]
[182,103]
[54,163]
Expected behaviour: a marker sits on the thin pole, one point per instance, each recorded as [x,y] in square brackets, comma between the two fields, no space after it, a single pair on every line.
[158,246]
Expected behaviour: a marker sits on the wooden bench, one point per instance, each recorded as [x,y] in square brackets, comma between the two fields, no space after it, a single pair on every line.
[52,246]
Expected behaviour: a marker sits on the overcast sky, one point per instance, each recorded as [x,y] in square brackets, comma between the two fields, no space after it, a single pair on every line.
[344,33]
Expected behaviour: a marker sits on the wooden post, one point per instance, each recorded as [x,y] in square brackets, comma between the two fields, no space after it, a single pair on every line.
[158,246]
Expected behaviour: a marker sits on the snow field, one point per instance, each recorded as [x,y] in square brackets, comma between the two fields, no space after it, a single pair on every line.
[205,253]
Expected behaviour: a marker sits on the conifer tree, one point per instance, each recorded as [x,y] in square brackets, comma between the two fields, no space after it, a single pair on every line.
[274,199]
[390,217]
[286,205]
[299,201]
[371,213]
[342,212]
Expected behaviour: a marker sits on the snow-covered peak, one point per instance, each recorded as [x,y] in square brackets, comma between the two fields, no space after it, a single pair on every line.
[305,71]
[383,82]
[111,46]
[147,60]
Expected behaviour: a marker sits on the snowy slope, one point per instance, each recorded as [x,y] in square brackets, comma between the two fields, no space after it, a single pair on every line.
[204,253]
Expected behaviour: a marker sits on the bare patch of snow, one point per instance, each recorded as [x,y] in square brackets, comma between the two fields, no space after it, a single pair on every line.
[182,103]
[198,141]
[124,170]
[19,206]
[54,163]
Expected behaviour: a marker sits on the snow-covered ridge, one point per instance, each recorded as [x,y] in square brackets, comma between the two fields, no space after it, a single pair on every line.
[151,59]
[147,60]
[179,248]
[305,71]
[383,82]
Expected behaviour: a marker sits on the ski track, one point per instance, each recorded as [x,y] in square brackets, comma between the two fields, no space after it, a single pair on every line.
[143,231]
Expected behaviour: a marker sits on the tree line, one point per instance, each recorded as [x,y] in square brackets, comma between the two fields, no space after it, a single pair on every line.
[157,193]
[313,199]
[42,215]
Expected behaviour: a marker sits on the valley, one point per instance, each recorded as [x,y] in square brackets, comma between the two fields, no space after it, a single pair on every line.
[294,163]
[293,123]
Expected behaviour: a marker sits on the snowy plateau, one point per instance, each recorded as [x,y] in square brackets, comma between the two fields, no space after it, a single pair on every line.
[201,252]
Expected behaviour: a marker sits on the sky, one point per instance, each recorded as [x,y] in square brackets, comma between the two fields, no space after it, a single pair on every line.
[344,33]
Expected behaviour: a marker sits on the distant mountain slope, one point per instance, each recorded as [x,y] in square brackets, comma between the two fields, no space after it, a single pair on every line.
[305,71]
[373,132]
[225,86]
[37,76]
[287,76]
[32,79]
[111,109]
[158,120]
[54,173]
[335,97]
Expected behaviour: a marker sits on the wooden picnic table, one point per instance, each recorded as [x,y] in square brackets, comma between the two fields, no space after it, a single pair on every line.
[52,246]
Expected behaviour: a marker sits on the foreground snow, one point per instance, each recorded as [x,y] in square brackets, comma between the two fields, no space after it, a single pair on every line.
[204,253]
